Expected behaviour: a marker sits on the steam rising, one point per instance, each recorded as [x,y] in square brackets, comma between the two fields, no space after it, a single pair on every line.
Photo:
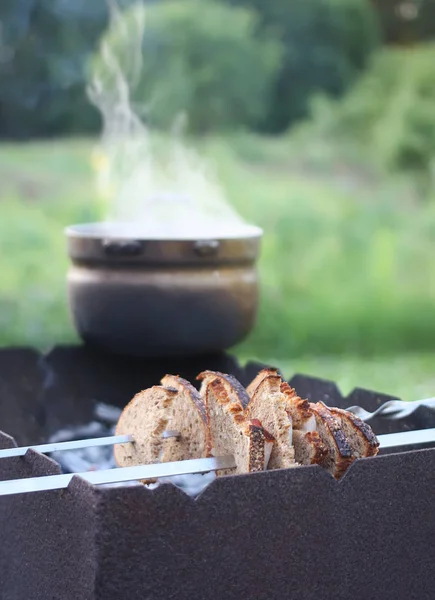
[152,193]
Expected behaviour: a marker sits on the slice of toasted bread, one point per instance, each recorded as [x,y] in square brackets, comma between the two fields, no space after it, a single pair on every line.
[308,445]
[360,435]
[300,410]
[329,428]
[145,418]
[235,389]
[230,433]
[260,446]
[188,417]
[259,378]
[309,448]
[267,404]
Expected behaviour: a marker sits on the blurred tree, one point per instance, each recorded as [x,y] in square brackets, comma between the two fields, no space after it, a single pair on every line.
[390,111]
[45,44]
[327,42]
[43,48]
[201,58]
[406,22]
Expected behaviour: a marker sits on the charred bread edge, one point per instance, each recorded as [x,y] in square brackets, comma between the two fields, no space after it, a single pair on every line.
[364,428]
[303,405]
[238,388]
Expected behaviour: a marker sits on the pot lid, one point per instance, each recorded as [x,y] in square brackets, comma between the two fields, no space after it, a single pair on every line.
[167,232]
[132,243]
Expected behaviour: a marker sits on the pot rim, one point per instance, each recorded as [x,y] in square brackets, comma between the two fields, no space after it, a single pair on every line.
[126,231]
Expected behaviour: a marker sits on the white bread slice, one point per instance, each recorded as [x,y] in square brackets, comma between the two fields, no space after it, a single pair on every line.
[230,433]
[340,455]
[145,418]
[268,405]
[187,416]
[359,434]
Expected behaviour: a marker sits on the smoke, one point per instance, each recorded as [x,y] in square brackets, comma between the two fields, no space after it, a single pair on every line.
[158,189]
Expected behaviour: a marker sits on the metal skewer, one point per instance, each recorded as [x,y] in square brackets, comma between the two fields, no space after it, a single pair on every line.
[389,440]
[406,438]
[119,475]
[77,444]
[388,409]
[160,470]
[74,445]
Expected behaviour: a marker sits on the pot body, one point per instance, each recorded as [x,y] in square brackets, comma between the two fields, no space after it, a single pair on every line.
[162,298]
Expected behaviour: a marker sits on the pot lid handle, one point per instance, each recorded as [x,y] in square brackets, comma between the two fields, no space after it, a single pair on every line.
[206,248]
[122,248]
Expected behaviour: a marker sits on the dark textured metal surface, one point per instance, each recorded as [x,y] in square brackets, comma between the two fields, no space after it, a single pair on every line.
[47,549]
[22,381]
[296,534]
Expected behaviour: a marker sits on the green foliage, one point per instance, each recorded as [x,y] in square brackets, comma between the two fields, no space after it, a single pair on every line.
[326,44]
[390,111]
[200,59]
[346,264]
[44,45]
[359,31]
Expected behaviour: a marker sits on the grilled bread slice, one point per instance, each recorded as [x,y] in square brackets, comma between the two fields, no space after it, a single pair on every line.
[268,405]
[308,445]
[300,410]
[235,389]
[187,416]
[360,435]
[309,448]
[259,378]
[231,433]
[145,418]
[340,455]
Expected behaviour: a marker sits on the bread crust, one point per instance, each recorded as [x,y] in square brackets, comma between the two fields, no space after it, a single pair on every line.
[235,385]
[175,381]
[231,433]
[341,455]
[258,439]
[267,404]
[259,378]
[300,409]
[362,430]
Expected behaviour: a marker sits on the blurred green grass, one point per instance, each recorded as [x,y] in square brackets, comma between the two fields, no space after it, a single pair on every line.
[347,265]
